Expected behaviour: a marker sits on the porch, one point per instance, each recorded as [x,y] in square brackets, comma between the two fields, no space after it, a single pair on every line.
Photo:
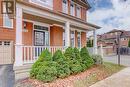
[37,30]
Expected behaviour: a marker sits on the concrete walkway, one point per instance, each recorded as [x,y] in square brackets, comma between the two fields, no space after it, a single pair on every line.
[120,79]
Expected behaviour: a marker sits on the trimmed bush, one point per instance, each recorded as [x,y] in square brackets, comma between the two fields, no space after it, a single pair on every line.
[97,59]
[63,67]
[45,56]
[58,56]
[87,61]
[35,69]
[73,59]
[69,53]
[48,72]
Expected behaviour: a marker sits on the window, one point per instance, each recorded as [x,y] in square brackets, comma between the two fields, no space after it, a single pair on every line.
[72,8]
[63,38]
[79,39]
[65,6]
[78,10]
[44,3]
[72,39]
[7,22]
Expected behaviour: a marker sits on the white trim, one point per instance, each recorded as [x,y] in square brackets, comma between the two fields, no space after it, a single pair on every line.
[74,36]
[43,4]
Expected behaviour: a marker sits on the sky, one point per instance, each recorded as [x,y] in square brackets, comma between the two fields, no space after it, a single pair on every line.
[110,14]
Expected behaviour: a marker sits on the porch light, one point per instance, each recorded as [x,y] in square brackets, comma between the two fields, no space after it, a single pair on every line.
[25,25]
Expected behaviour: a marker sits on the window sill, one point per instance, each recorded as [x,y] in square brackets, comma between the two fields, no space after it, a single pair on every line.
[10,28]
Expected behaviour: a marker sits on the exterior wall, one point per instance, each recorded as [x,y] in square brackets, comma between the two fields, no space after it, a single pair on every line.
[28,34]
[83,39]
[56,36]
[57,5]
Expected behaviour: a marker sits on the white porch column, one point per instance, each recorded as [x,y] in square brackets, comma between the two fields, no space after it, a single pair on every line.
[18,45]
[67,34]
[95,41]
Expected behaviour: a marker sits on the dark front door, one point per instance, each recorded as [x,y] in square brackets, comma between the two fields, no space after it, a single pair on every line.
[39,38]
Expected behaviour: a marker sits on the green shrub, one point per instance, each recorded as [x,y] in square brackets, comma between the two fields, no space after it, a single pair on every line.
[69,53]
[58,56]
[45,56]
[97,59]
[47,73]
[129,43]
[73,58]
[87,61]
[35,69]
[63,67]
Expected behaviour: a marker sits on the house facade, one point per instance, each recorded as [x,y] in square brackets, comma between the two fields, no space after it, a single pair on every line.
[41,24]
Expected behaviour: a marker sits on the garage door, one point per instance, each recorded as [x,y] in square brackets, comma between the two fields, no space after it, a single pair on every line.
[6,52]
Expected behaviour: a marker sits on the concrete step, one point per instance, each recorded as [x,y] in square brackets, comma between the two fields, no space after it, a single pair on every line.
[22,72]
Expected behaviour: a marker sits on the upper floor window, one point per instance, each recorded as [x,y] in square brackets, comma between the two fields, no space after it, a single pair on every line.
[44,3]
[7,22]
[65,6]
[72,8]
[78,10]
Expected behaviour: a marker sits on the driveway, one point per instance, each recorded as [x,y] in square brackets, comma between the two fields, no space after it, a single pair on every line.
[6,76]
[120,79]
[125,59]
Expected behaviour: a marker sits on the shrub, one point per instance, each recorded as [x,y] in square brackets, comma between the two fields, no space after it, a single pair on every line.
[97,59]
[129,43]
[63,67]
[73,59]
[58,56]
[47,72]
[87,61]
[45,56]
[35,69]
[69,53]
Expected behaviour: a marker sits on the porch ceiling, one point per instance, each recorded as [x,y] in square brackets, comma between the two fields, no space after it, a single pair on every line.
[40,19]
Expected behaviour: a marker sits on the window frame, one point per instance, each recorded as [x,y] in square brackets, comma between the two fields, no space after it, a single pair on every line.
[78,15]
[65,9]
[72,9]
[79,32]
[71,38]
[5,18]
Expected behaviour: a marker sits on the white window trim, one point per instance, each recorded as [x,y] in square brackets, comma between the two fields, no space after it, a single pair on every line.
[74,36]
[12,26]
[42,4]
[79,11]
[80,38]
[73,14]
[66,11]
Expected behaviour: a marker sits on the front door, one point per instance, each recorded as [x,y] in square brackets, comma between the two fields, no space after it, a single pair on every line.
[39,38]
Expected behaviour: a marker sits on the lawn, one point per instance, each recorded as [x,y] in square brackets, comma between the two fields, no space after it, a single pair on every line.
[102,72]
[84,79]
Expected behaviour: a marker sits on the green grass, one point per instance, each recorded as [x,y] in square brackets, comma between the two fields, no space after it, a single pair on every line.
[103,71]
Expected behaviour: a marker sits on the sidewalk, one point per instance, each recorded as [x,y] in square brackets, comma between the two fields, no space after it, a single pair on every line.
[120,79]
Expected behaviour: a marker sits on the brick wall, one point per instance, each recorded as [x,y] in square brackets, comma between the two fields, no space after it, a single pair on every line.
[56,36]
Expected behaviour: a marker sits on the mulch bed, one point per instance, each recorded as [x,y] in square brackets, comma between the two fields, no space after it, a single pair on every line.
[66,82]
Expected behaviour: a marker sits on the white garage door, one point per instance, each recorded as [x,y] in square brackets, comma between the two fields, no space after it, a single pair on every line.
[6,52]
